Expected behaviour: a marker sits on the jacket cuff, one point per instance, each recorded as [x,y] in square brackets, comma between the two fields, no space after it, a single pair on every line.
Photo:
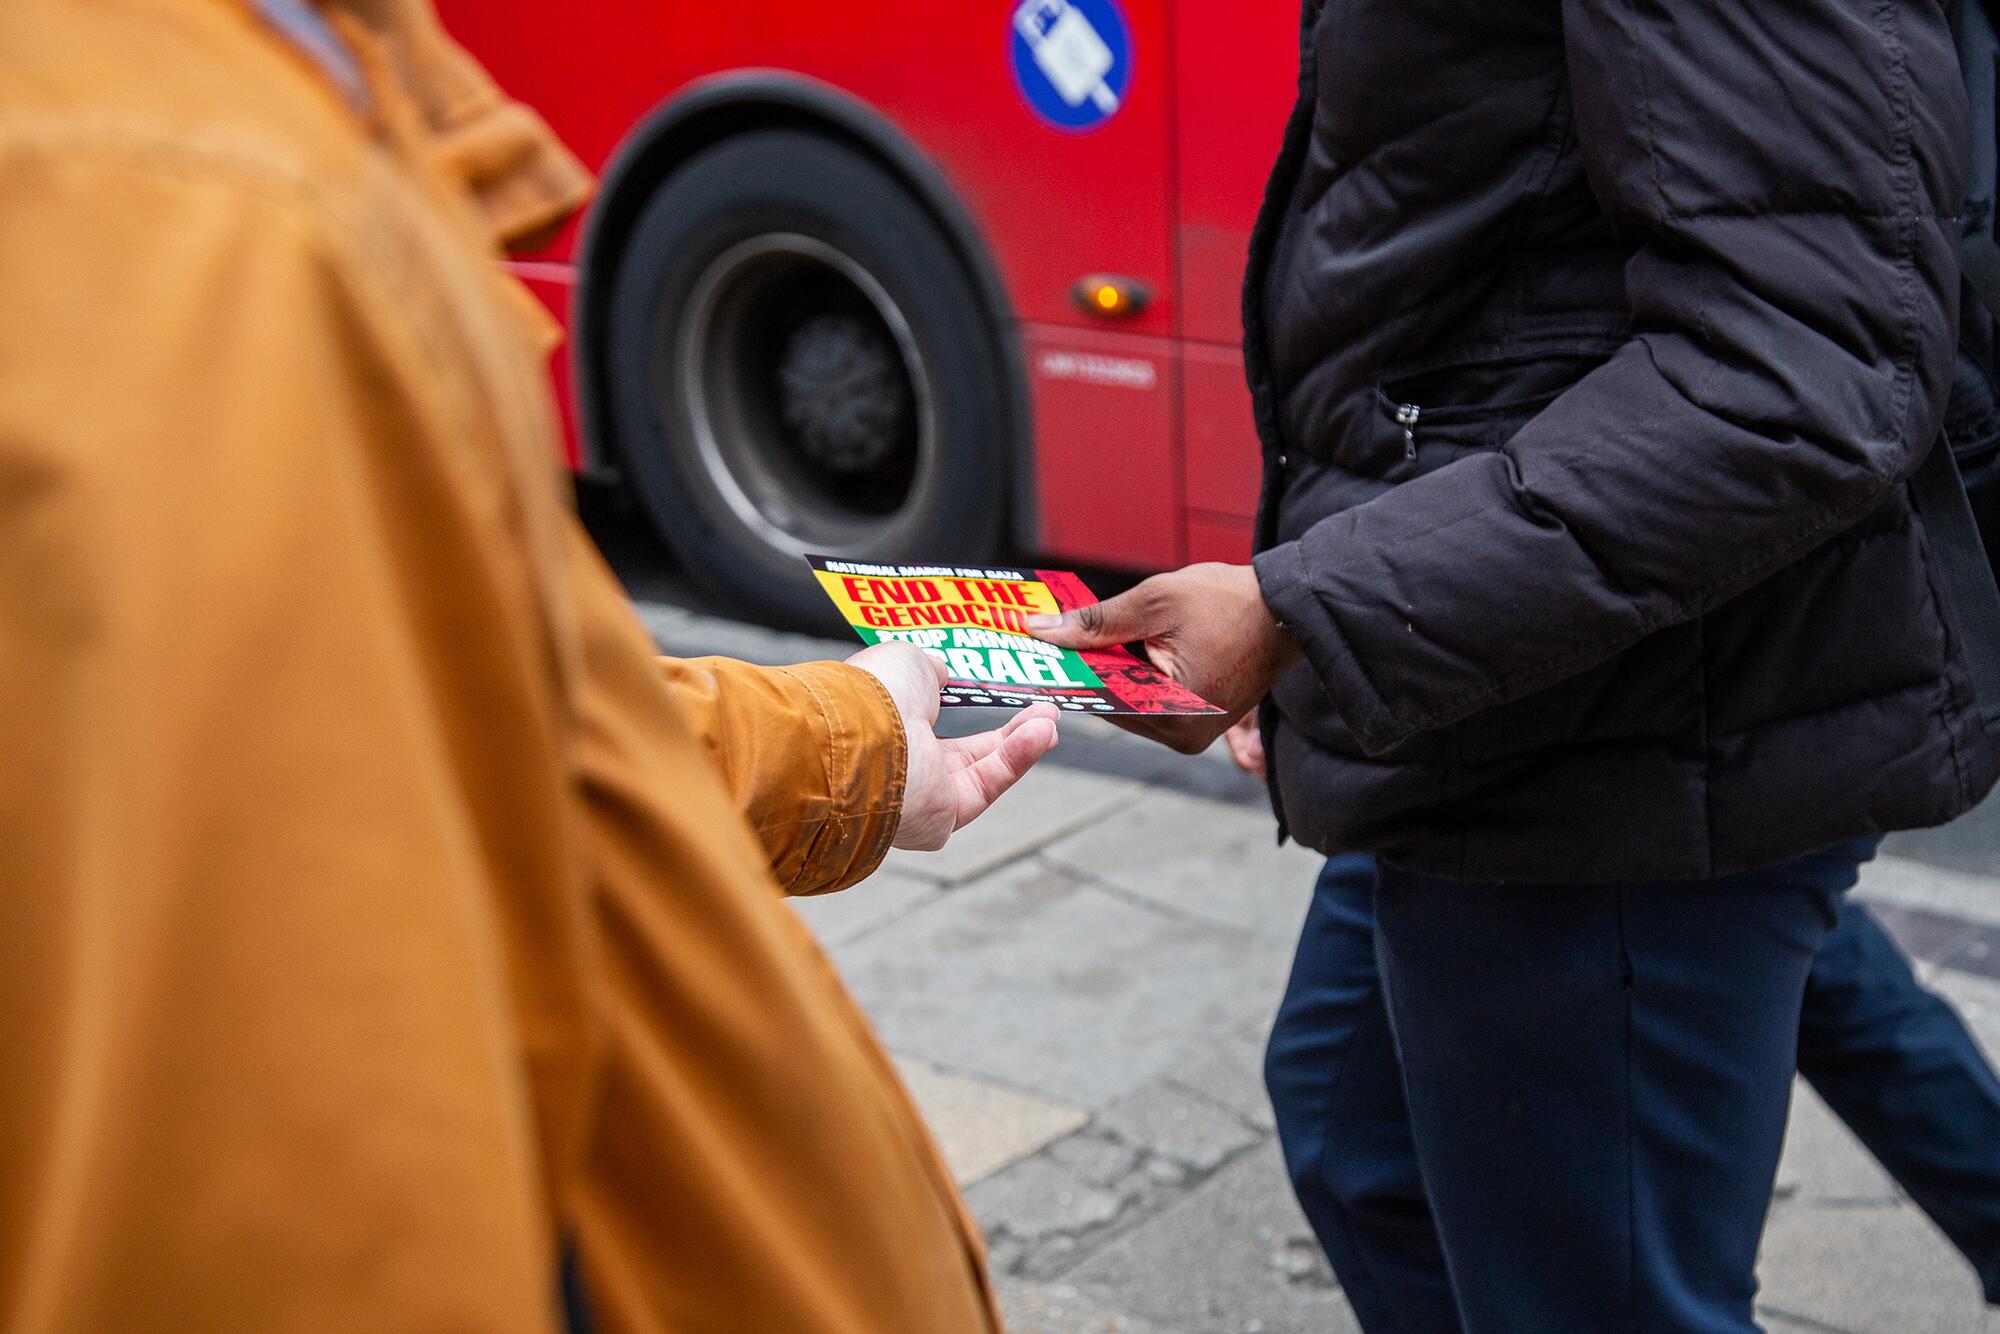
[866,758]
[1287,586]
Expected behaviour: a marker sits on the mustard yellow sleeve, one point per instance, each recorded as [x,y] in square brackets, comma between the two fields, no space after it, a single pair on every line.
[257,1067]
[813,754]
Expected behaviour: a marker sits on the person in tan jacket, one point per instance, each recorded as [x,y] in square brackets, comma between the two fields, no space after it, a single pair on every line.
[380,921]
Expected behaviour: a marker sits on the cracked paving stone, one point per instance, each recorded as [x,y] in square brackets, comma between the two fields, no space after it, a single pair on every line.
[1051,1258]
[1047,1214]
[1095,1157]
[1190,1130]
[1231,1072]
[1004,1255]
[1039,1198]
[1222,1259]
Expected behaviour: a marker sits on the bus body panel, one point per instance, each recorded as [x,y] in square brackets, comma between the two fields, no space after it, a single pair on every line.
[1144,453]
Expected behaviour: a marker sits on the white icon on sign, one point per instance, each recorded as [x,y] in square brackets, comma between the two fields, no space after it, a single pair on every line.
[1069,51]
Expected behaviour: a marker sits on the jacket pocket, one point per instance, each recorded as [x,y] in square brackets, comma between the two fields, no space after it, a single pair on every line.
[1479,404]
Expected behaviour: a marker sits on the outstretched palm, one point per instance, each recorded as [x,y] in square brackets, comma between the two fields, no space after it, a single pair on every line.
[951,780]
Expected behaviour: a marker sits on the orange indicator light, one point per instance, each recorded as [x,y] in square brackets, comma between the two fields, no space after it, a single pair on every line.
[1111,296]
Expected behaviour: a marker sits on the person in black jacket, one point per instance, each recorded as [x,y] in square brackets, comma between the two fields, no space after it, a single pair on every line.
[1592,345]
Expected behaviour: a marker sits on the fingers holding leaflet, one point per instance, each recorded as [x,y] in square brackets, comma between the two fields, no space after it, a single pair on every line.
[1205,626]
[1122,619]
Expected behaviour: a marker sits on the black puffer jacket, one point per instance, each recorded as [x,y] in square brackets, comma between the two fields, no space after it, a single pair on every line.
[1591,344]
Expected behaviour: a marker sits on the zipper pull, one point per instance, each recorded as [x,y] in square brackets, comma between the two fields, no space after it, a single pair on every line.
[1406,417]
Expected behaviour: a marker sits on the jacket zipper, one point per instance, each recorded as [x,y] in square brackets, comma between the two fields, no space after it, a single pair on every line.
[1406,417]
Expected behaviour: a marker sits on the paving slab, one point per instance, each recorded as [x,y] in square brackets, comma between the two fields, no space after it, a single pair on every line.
[1218,862]
[1047,1214]
[1975,952]
[1047,805]
[1942,940]
[1916,884]
[982,1126]
[852,913]
[1823,1162]
[1969,843]
[1049,985]
[1042,1197]
[1868,1269]
[1058,1308]
[1231,1072]
[1098,1158]
[1233,1257]
[1170,1121]
[1977,1000]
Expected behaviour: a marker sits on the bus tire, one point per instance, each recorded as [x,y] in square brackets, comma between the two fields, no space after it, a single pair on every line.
[799,362]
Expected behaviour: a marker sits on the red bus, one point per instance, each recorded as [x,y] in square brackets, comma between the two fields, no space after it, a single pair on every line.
[907,280]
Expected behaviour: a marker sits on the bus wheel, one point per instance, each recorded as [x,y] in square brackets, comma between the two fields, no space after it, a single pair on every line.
[799,363]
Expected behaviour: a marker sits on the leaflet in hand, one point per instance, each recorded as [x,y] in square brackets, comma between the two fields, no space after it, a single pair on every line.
[975,619]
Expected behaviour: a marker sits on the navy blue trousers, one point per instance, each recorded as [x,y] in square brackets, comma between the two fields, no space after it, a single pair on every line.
[1552,1108]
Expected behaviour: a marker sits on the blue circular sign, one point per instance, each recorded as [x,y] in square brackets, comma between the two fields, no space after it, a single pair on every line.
[1072,60]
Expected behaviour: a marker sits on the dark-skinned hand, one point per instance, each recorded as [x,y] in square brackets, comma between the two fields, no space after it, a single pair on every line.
[1245,740]
[1206,626]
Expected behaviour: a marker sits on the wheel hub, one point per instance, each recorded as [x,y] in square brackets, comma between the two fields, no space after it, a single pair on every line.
[842,393]
[806,399]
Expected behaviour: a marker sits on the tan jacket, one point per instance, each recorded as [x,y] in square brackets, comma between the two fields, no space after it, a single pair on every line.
[376,913]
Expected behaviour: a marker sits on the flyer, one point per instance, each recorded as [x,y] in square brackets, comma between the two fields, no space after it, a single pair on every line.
[975,619]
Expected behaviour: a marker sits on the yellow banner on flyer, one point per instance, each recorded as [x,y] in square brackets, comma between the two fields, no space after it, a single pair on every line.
[939,596]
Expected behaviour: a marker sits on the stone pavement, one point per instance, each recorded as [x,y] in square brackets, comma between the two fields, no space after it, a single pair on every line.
[1077,991]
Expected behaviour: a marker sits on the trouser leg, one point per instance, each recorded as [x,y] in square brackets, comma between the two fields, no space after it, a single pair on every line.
[1896,1063]
[1598,1078]
[1337,1093]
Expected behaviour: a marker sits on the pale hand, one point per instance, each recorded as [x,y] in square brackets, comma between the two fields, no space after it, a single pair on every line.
[1206,626]
[951,781]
